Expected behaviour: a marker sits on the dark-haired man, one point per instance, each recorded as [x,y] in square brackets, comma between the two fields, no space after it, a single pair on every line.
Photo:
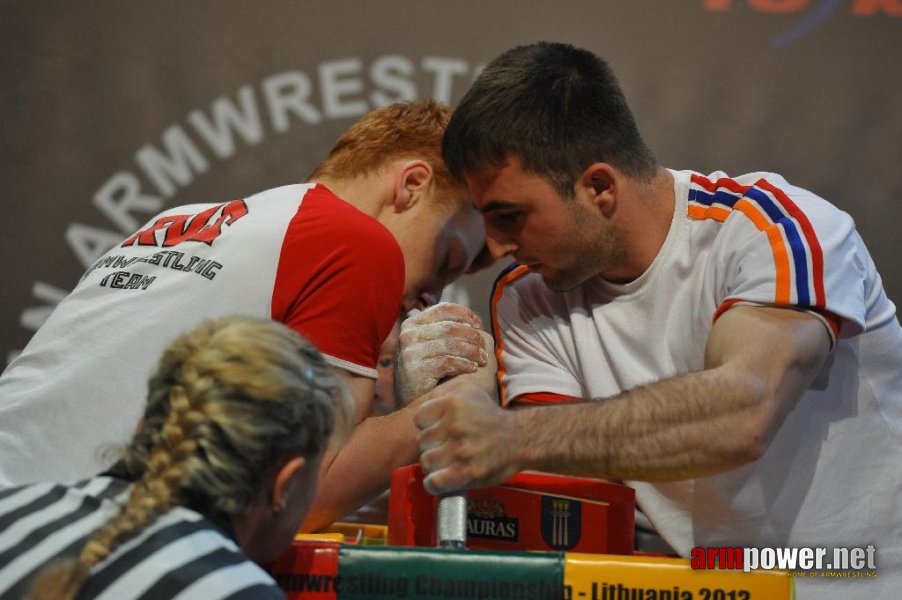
[743,361]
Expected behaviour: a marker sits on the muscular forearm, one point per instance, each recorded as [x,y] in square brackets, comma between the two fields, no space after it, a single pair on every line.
[757,363]
[689,426]
[362,467]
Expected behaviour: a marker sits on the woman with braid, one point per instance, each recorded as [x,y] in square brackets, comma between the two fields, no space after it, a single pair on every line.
[219,476]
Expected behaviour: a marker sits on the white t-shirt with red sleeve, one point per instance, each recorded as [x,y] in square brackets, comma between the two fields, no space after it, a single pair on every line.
[832,476]
[297,254]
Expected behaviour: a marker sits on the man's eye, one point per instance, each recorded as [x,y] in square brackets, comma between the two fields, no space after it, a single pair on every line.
[507,219]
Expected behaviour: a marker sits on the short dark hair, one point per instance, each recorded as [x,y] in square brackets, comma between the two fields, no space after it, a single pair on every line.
[557,107]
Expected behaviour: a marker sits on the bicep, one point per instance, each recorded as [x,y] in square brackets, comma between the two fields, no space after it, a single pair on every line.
[774,352]
[360,389]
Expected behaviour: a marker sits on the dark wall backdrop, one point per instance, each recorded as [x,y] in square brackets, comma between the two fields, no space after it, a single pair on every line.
[112,111]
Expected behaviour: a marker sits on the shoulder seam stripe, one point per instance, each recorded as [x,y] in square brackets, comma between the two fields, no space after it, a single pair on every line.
[789,232]
[511,275]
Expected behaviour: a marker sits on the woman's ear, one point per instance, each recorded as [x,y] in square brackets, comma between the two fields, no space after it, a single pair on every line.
[283,484]
[412,179]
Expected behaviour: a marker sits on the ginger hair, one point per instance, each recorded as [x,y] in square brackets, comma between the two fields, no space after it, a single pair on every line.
[230,401]
[404,130]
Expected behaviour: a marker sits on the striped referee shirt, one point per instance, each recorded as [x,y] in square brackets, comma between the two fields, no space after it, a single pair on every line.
[180,555]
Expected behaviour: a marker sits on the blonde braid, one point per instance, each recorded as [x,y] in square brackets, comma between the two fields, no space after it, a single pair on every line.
[155,493]
[229,400]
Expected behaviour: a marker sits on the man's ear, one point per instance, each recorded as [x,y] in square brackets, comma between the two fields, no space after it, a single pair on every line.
[283,483]
[411,180]
[599,180]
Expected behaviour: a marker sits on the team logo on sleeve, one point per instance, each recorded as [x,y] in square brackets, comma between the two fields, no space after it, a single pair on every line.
[203,227]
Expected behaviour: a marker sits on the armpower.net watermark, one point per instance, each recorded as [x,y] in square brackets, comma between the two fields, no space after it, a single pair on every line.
[801,562]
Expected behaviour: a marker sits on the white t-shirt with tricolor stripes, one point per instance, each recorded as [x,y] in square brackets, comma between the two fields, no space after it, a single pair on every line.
[833,474]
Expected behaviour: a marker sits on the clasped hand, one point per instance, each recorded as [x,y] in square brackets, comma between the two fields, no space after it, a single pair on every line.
[446,363]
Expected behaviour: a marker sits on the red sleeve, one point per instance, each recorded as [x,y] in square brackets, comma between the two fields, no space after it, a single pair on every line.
[538,398]
[339,281]
[831,321]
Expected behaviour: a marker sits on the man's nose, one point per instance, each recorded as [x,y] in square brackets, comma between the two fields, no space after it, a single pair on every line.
[499,246]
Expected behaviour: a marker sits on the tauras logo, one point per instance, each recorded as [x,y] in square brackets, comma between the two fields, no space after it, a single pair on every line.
[486,519]
[204,227]
[499,528]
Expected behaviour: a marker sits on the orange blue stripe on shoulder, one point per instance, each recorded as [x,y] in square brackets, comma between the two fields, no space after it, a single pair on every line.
[797,253]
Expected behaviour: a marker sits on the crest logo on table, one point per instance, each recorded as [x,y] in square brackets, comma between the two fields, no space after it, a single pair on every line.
[561,522]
